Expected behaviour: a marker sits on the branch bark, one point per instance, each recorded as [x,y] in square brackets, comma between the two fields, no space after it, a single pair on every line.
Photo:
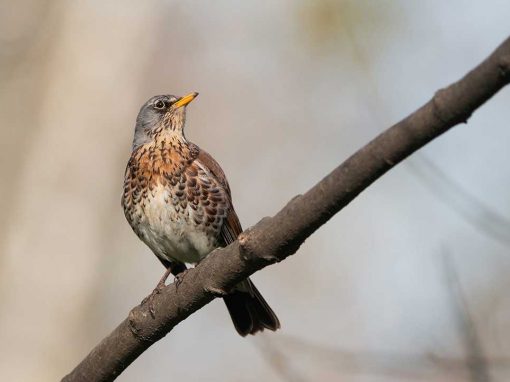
[273,239]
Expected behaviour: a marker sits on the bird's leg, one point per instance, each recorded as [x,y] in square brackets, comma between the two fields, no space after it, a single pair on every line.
[179,277]
[157,290]
[179,271]
[161,283]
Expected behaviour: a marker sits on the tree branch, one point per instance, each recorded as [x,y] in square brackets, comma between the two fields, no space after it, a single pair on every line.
[273,239]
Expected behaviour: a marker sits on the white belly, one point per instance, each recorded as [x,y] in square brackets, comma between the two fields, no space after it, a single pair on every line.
[170,234]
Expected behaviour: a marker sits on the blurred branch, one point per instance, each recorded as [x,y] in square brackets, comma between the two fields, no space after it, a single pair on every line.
[409,366]
[277,360]
[273,239]
[475,358]
[474,211]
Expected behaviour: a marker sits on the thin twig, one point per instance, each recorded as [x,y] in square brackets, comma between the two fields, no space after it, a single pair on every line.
[396,364]
[475,359]
[475,212]
[277,360]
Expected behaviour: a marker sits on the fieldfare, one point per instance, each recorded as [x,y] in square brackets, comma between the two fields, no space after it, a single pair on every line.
[177,200]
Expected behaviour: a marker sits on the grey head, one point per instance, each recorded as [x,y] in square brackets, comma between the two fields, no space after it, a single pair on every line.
[161,113]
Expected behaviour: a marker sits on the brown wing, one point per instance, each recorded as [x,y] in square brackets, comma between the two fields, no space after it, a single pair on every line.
[231,227]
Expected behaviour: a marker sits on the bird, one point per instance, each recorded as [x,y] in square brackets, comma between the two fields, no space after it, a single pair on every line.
[177,200]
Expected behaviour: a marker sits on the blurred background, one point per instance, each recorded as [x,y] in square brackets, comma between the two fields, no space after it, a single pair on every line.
[408,283]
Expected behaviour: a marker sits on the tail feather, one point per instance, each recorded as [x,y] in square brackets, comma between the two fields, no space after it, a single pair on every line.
[249,311]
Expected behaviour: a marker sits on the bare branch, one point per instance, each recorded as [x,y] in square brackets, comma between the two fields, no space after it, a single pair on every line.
[273,239]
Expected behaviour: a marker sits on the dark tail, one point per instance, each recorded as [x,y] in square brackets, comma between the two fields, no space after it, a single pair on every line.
[249,311]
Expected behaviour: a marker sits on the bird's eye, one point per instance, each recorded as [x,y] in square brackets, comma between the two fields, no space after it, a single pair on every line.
[159,105]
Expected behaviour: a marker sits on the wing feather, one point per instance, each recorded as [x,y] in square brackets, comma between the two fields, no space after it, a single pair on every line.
[232,226]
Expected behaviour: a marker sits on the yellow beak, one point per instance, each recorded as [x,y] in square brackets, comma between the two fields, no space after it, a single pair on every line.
[183,101]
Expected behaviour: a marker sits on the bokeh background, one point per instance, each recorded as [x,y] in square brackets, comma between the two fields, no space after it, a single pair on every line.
[410,282]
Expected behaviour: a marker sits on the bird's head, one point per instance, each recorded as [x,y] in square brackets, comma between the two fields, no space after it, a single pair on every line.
[161,113]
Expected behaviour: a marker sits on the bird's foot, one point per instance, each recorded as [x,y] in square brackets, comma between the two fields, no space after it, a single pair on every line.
[179,278]
[150,298]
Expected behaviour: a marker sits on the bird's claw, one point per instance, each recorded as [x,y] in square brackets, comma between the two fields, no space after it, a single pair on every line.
[180,277]
[150,299]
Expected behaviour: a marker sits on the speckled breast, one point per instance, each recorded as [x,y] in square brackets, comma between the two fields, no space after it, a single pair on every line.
[172,201]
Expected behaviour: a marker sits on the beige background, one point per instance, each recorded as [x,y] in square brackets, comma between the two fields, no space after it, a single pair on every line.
[287,91]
